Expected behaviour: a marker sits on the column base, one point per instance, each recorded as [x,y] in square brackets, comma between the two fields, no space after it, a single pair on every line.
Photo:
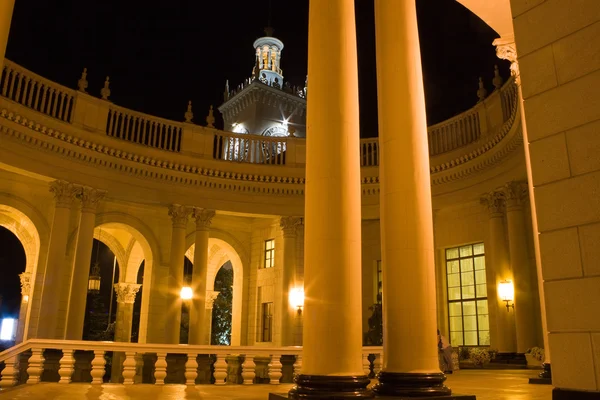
[330,387]
[564,394]
[544,378]
[402,384]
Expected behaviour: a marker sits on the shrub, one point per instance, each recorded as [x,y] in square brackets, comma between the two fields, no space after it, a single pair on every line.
[536,352]
[479,356]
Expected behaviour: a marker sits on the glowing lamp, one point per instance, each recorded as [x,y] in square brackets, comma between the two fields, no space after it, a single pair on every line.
[506,291]
[7,329]
[94,281]
[26,299]
[297,299]
[186,293]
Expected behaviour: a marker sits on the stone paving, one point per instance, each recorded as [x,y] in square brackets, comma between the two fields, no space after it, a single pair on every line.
[485,384]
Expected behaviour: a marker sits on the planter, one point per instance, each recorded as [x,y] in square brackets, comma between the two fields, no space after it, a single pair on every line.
[532,362]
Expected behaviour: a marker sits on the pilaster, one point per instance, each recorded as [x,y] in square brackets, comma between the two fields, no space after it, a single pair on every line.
[289,226]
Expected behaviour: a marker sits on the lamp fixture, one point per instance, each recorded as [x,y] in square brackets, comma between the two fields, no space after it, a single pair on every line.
[506,291]
[296,298]
[94,279]
[186,293]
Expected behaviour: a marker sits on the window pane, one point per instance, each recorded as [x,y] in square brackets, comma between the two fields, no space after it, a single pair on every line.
[480,276]
[482,307]
[469,308]
[452,267]
[480,262]
[453,280]
[478,248]
[454,293]
[484,322]
[456,339]
[451,253]
[470,323]
[468,292]
[466,265]
[484,338]
[482,290]
[466,251]
[471,338]
[455,324]
[468,279]
[454,309]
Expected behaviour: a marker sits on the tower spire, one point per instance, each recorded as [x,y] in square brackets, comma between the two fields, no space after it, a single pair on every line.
[269,29]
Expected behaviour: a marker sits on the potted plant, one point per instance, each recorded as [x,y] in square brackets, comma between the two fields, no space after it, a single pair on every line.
[535,357]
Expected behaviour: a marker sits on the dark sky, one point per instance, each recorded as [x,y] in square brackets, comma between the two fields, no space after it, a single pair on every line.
[159,55]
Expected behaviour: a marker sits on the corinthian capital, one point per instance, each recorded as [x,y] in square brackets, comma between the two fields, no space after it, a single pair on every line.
[494,201]
[515,193]
[25,283]
[126,292]
[506,49]
[179,215]
[289,225]
[64,193]
[89,198]
[203,218]
[211,296]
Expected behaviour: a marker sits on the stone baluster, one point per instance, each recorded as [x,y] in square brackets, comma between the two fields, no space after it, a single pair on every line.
[9,373]
[275,367]
[366,364]
[139,367]
[98,364]
[67,366]
[220,369]
[36,365]
[160,368]
[298,365]
[248,369]
[191,369]
[377,363]
[129,365]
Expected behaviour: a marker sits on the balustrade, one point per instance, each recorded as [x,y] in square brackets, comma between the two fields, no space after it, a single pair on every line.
[250,148]
[35,92]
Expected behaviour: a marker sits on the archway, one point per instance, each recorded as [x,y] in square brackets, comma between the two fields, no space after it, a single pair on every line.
[222,310]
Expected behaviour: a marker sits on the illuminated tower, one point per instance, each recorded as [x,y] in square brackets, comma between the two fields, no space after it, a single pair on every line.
[264,104]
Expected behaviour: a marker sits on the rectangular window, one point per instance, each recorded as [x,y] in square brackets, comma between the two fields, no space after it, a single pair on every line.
[467,296]
[379,282]
[267,322]
[269,253]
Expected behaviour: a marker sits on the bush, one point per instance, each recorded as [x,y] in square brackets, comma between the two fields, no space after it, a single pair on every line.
[479,356]
[536,352]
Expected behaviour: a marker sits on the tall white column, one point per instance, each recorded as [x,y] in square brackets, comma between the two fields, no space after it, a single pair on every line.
[126,293]
[198,333]
[81,266]
[332,359]
[525,316]
[409,315]
[289,226]
[25,278]
[54,272]
[6,12]
[179,215]
[502,333]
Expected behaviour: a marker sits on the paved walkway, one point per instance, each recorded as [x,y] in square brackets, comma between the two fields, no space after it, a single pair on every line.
[485,384]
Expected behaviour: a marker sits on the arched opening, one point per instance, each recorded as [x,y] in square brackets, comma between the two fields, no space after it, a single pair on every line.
[137,305]
[12,265]
[222,310]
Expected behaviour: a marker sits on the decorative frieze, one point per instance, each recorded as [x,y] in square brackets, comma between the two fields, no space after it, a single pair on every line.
[25,278]
[64,193]
[203,218]
[289,225]
[494,201]
[126,292]
[179,215]
[89,198]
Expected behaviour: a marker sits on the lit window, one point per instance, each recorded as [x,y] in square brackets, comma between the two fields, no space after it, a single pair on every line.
[7,329]
[467,296]
[269,253]
[267,322]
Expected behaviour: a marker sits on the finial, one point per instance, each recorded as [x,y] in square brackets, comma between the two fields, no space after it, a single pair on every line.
[497,81]
[105,92]
[189,115]
[210,118]
[269,31]
[481,92]
[82,83]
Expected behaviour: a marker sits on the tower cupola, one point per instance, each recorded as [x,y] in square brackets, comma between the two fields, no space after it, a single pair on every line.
[267,65]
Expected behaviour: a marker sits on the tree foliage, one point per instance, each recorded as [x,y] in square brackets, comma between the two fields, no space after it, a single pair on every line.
[374,336]
[222,308]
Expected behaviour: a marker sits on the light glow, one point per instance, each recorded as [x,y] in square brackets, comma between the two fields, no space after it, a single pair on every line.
[186,293]
[297,298]
[25,299]
[506,291]
[7,330]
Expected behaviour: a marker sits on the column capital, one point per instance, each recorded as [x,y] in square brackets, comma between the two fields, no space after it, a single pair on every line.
[25,278]
[506,49]
[179,215]
[289,225]
[203,218]
[211,296]
[64,193]
[90,198]
[494,201]
[126,292]
[515,193]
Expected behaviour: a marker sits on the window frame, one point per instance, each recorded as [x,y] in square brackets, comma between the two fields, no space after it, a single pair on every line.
[269,254]
[266,326]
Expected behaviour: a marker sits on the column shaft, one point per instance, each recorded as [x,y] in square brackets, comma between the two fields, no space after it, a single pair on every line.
[332,364]
[81,266]
[55,263]
[6,12]
[179,215]
[409,315]
[288,279]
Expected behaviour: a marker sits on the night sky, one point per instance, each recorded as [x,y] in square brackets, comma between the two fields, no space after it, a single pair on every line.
[159,55]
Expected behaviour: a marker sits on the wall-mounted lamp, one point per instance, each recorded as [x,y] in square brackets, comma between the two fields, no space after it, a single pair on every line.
[297,299]
[186,293]
[506,291]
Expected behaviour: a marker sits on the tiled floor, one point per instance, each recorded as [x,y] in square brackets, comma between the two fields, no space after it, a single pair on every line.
[486,384]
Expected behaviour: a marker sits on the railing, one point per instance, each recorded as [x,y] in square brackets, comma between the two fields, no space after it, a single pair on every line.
[36,92]
[38,360]
[454,133]
[369,152]
[252,149]
[143,129]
